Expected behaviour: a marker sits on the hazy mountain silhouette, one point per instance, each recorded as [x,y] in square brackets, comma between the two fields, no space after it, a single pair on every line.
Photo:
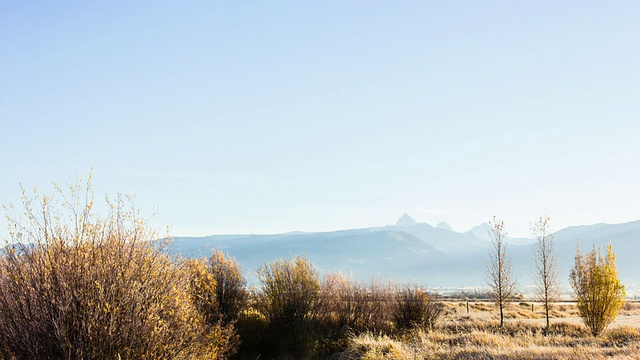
[406,220]
[444,225]
[418,252]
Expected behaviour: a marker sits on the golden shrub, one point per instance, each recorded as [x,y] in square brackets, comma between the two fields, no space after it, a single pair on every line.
[78,286]
[597,288]
[231,294]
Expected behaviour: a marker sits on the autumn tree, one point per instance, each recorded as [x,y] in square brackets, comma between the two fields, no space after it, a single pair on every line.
[499,271]
[597,288]
[545,276]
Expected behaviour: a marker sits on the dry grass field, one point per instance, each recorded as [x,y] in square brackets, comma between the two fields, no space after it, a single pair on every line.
[564,312]
[476,335]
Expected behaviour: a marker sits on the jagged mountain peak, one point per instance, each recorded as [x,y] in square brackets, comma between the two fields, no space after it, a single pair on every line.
[406,220]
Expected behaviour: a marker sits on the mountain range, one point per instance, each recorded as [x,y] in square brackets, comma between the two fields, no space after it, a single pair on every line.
[418,253]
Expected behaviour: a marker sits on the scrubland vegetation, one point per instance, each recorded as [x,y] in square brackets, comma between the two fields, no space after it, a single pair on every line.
[74,285]
[478,335]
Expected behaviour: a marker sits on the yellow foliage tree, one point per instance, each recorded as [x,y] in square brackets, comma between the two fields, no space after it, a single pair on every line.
[597,288]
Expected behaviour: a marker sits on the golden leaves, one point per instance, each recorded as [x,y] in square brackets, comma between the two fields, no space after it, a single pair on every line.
[599,292]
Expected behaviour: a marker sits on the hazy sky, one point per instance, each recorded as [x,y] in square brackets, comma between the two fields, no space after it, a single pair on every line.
[272,116]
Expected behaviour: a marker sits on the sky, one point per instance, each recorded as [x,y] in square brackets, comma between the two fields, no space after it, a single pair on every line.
[275,116]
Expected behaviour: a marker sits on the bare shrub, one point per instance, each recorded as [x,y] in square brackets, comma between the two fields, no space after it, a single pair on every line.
[288,293]
[77,286]
[349,305]
[415,308]
[362,307]
[345,308]
[379,301]
[330,335]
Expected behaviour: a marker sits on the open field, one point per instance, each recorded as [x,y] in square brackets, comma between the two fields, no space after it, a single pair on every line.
[521,311]
[476,335]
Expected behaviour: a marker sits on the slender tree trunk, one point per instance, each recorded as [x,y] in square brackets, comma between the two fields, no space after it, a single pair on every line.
[546,266]
[499,271]
[546,307]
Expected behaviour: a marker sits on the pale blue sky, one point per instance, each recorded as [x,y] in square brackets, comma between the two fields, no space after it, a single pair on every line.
[268,117]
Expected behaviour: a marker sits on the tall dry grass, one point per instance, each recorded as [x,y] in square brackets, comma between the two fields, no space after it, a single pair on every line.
[459,335]
[520,341]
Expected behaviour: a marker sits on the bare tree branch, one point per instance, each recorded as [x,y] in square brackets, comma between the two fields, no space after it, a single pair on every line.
[499,271]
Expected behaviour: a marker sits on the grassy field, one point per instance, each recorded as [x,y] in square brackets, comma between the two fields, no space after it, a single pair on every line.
[476,335]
